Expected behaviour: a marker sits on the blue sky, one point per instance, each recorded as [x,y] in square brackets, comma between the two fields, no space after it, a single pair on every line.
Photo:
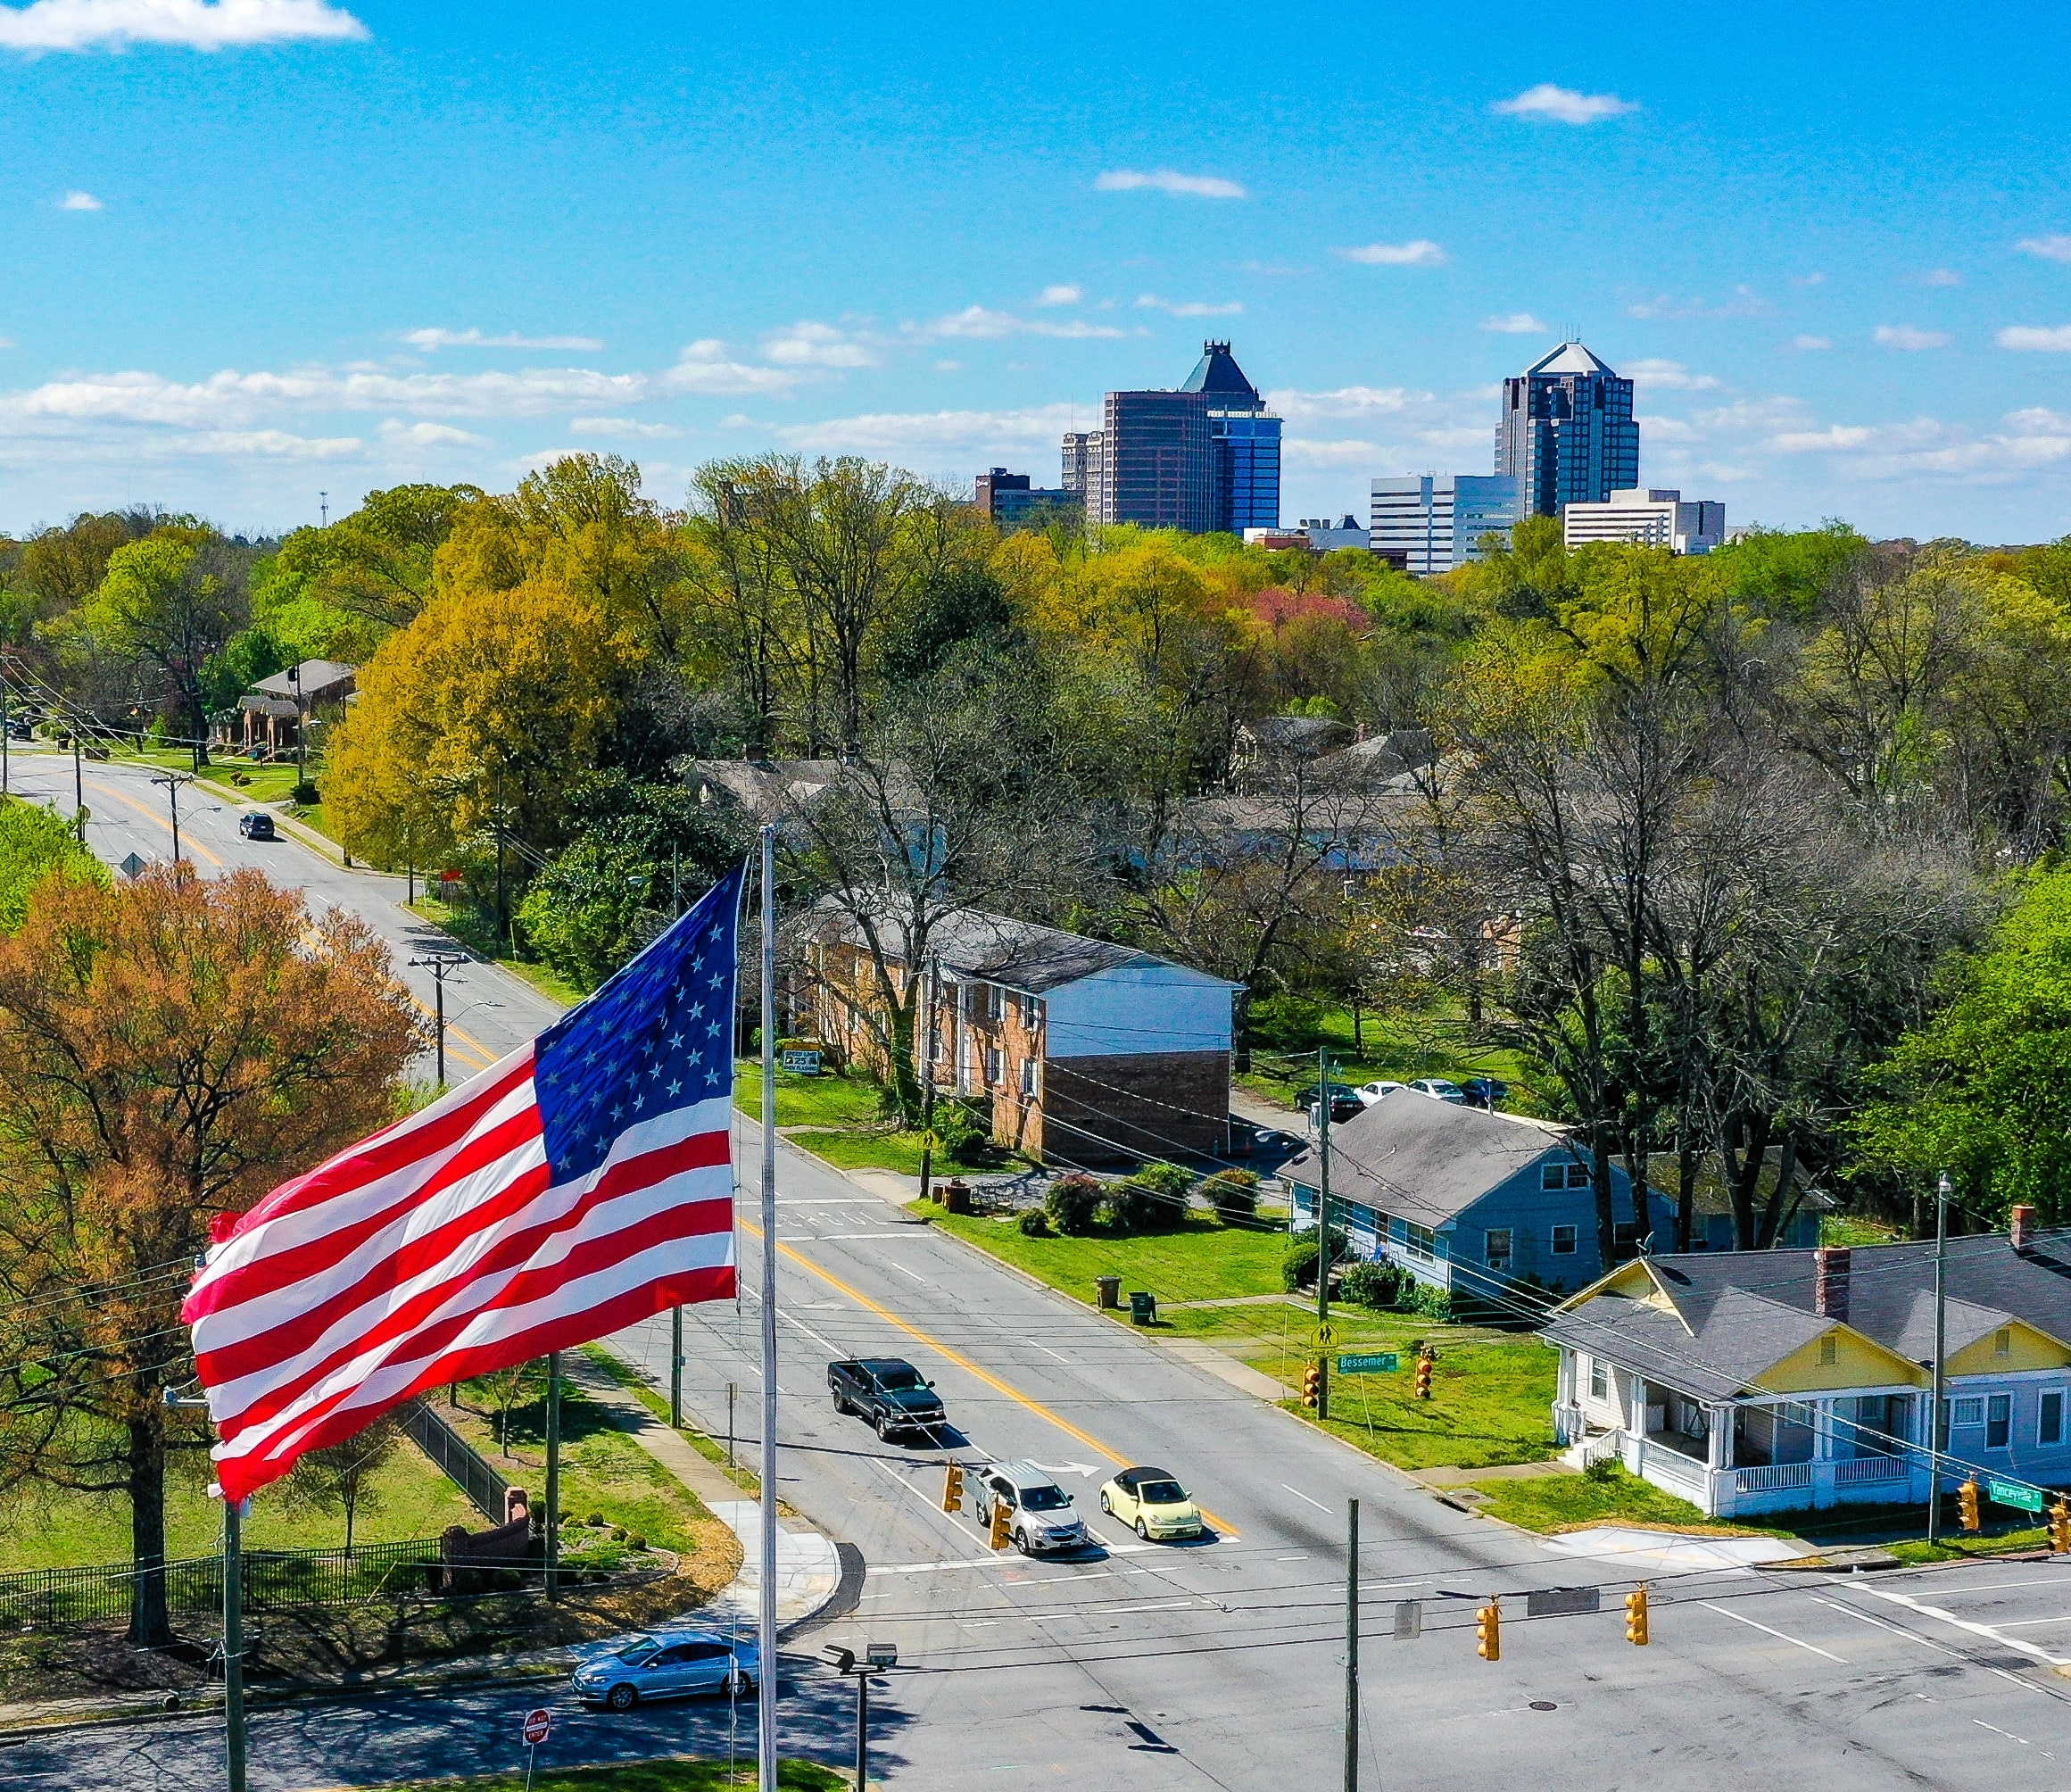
[266,248]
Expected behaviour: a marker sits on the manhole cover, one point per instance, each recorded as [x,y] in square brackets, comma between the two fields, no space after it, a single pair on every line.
[1545,1705]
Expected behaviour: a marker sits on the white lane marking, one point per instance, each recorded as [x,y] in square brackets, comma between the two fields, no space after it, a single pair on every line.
[1813,1647]
[843,1201]
[2000,1586]
[933,1505]
[1298,1494]
[2030,1624]
[1996,1730]
[799,1325]
[1836,1605]
[841,1238]
[1976,1630]
[1006,1558]
[903,1270]
[1047,1351]
[1154,1606]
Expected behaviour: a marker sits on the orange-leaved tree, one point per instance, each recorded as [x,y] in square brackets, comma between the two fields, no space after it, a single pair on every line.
[170,1050]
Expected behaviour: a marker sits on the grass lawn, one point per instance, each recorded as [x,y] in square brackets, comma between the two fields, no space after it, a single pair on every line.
[263,784]
[1202,1260]
[1562,1502]
[1404,1047]
[656,1403]
[680,1775]
[468,925]
[837,1117]
[41,1529]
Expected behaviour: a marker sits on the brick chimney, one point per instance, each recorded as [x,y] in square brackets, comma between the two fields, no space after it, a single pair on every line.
[2024,1230]
[1830,1281]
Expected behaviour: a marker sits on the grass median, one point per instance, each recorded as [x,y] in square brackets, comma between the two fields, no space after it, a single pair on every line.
[676,1775]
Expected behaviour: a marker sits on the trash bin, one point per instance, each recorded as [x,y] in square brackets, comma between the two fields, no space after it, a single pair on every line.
[956,1196]
[1110,1292]
[1143,1308]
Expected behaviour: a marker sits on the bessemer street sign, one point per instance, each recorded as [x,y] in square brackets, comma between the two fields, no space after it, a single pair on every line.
[1375,1363]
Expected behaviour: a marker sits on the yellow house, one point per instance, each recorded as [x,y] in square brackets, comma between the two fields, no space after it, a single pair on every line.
[1770,1380]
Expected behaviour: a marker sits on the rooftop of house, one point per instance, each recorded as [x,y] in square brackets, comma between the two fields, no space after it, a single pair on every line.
[1716,1321]
[1420,1159]
[311,680]
[1307,736]
[769,788]
[974,946]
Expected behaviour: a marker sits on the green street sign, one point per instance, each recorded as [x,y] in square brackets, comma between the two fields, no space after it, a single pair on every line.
[2005,1493]
[1378,1363]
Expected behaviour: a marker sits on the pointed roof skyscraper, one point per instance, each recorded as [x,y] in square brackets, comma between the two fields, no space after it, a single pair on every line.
[1218,376]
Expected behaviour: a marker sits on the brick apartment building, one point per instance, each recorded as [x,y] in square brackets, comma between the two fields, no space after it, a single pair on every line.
[1089,1052]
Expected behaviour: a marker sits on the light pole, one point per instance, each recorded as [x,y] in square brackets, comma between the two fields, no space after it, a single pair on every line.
[1936,1433]
[172,781]
[301,727]
[878,1658]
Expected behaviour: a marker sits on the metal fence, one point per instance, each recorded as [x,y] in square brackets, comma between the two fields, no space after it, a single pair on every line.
[476,1478]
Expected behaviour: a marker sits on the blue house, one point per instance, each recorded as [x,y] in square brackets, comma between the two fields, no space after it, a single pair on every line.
[1468,1200]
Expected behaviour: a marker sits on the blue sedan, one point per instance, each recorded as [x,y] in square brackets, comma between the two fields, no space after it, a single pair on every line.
[667,1664]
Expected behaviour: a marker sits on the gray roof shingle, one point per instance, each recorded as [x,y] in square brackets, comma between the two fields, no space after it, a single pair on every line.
[1423,1160]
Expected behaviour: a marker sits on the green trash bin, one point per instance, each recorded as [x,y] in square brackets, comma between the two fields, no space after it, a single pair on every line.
[1143,1308]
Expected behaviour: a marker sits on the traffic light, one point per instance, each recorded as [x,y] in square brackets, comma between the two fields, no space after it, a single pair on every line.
[2060,1528]
[1423,1378]
[999,1539]
[1635,1616]
[1312,1385]
[1966,1504]
[1488,1631]
[952,1487]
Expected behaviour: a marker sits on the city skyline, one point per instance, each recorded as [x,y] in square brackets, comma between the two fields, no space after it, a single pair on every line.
[710,237]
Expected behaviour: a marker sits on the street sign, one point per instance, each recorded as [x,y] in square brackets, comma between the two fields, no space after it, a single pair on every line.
[803,1063]
[1561,1601]
[1375,1363]
[2005,1493]
[131,867]
[1326,1336]
[538,1721]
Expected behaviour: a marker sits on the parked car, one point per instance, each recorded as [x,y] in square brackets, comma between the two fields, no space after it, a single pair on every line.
[1440,1088]
[669,1665]
[256,824]
[1484,1092]
[19,730]
[1152,1503]
[1345,1102]
[1040,1517]
[886,1391]
[1371,1092]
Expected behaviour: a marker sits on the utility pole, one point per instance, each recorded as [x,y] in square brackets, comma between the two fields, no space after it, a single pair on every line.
[676,1367]
[439,965]
[1351,1645]
[502,915]
[79,786]
[172,781]
[234,1642]
[1937,1432]
[301,727]
[1323,1232]
[553,1472]
[6,723]
[934,996]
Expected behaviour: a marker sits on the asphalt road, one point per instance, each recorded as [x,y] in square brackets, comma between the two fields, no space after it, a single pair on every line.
[1219,1663]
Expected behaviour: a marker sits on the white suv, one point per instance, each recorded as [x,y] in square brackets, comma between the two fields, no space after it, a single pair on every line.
[1039,1515]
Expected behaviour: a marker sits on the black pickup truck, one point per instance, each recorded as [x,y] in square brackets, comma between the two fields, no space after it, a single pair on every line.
[891,1394]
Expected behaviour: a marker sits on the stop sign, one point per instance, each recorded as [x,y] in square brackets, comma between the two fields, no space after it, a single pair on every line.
[537,1723]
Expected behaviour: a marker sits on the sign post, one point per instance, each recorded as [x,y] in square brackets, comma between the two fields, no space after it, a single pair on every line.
[539,1722]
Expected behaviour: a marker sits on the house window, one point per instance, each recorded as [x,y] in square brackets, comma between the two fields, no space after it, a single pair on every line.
[1999,1421]
[1498,1254]
[1599,1378]
[1563,1240]
[1829,1350]
[995,1002]
[995,1066]
[2049,1420]
[2002,1342]
[1421,1242]
[1577,1175]
[1553,1176]
[1969,1412]
[1028,1077]
[1030,1012]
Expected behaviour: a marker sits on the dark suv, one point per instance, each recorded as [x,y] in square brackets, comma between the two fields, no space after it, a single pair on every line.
[256,824]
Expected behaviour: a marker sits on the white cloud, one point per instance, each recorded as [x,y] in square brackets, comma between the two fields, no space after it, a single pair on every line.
[1564,105]
[1812,279]
[1422,253]
[1168,180]
[426,434]
[1906,337]
[815,345]
[2054,341]
[1066,293]
[6,342]
[192,24]
[1668,376]
[1811,342]
[1306,452]
[1821,441]
[269,443]
[1346,400]
[965,433]
[2049,248]
[1193,308]
[620,425]
[704,368]
[78,201]
[431,340]
[1941,277]
[1516,323]
[1745,302]
[977,324]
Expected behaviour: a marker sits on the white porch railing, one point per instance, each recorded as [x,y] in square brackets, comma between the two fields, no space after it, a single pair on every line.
[1862,1470]
[1772,1477]
[1660,1463]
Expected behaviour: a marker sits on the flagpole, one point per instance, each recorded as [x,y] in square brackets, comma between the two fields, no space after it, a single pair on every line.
[766,1653]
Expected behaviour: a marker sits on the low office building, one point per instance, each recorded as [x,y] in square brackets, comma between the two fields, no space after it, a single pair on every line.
[1766,1380]
[1089,1052]
[1649,517]
[1011,501]
[1428,524]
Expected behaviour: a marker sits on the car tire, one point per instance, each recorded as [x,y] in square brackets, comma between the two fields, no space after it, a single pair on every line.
[1143,1531]
[1020,1543]
[841,1406]
[883,1429]
[738,1685]
[1106,1505]
[622,1698]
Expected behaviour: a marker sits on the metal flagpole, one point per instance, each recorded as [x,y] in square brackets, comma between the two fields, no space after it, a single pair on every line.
[766,1653]
[1937,1432]
[234,1643]
[1351,1645]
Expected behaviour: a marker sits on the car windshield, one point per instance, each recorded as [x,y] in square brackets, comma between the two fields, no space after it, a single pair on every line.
[638,1651]
[897,1381]
[1161,1493]
[1044,1498]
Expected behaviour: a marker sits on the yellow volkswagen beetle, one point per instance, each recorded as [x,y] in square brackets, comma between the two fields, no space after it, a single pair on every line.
[1152,1503]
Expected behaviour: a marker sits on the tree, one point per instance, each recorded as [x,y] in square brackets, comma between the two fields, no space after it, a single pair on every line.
[378,563]
[345,1477]
[170,1050]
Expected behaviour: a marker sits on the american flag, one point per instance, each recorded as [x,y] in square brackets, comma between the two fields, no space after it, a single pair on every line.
[583,1183]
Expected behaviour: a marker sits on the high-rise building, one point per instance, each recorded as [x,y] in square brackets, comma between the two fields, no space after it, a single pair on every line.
[1431,523]
[1205,457]
[1013,502]
[1567,435]
[1652,518]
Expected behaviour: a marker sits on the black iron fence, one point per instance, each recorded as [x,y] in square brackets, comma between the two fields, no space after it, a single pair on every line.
[476,1478]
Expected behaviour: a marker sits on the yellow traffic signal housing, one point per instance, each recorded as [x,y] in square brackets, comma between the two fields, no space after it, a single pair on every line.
[1966,1504]
[1636,1616]
[1488,1631]
[953,1488]
[1313,1385]
[2060,1528]
[999,1539]
[1423,1378]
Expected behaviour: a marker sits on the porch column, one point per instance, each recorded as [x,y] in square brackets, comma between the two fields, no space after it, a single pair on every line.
[1719,1440]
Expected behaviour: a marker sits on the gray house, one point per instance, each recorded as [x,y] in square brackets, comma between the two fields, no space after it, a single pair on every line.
[1466,1200]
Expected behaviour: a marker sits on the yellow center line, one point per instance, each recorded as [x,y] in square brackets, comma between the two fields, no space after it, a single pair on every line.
[968,1366]
[152,815]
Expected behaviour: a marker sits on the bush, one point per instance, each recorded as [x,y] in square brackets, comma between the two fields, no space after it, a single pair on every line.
[1073,1204]
[1603,1469]
[1234,1196]
[1035,1223]
[1298,1266]
[305,795]
[965,1139]
[1431,1303]
[1372,1284]
[1148,1201]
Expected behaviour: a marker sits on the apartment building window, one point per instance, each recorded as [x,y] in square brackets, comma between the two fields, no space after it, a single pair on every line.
[1498,1254]
[995,1066]
[1599,1378]
[995,1002]
[1563,1240]
[1028,1078]
[1999,1421]
[1032,1011]
[2050,1419]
